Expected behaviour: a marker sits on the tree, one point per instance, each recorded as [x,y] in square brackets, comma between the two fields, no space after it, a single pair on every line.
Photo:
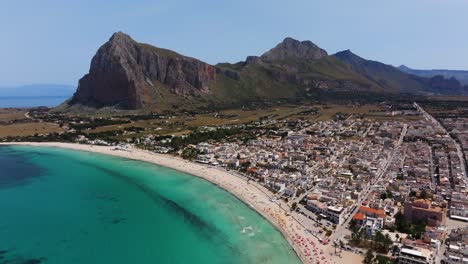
[369,258]
[423,194]
[418,229]
[401,223]
[387,242]
[395,249]
[382,260]
[353,226]
[379,241]
[189,153]
[294,206]
[356,237]
[389,194]
[383,196]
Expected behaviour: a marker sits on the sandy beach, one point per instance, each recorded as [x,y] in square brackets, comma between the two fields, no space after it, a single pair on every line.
[307,246]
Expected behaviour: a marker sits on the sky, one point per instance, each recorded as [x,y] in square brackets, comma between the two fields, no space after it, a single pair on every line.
[53,41]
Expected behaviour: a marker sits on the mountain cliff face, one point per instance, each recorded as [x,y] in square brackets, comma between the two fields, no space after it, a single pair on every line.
[128,74]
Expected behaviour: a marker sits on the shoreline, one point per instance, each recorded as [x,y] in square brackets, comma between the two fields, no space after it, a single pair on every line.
[303,243]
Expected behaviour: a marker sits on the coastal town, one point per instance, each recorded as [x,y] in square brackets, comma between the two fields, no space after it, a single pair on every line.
[393,189]
[305,132]
[360,179]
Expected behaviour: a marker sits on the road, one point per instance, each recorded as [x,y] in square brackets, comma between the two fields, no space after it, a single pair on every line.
[432,171]
[367,131]
[438,124]
[341,229]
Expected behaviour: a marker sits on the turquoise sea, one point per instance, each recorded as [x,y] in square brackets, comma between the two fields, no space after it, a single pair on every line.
[63,206]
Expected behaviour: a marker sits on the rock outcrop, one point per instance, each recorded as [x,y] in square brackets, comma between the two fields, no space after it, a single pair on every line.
[128,74]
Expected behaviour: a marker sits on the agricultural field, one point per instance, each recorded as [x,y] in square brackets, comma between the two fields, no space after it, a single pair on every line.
[28,129]
[9,115]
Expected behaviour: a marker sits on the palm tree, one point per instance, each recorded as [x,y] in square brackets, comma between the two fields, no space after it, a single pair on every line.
[379,239]
[387,242]
[369,258]
[357,237]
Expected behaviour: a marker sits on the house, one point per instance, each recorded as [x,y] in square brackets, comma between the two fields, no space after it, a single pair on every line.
[370,219]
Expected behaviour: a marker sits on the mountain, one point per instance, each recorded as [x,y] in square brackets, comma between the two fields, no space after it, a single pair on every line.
[133,75]
[126,74]
[461,76]
[38,90]
[291,70]
[393,79]
[385,75]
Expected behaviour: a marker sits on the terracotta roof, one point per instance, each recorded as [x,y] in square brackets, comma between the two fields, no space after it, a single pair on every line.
[251,169]
[368,210]
[358,216]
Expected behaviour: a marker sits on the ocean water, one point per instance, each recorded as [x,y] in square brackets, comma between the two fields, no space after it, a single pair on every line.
[63,206]
[31,101]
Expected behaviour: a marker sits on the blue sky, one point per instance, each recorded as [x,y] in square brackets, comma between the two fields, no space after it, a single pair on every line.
[53,41]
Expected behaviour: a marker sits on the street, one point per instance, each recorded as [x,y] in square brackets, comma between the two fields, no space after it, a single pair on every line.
[341,228]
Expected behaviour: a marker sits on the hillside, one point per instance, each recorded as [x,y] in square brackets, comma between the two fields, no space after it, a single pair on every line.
[385,75]
[393,79]
[292,70]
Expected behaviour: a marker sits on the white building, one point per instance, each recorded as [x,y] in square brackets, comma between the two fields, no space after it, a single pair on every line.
[414,255]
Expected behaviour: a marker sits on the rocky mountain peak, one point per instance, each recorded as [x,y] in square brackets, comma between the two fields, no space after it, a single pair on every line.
[120,35]
[291,48]
[352,59]
[124,73]
[119,42]
[347,54]
[404,68]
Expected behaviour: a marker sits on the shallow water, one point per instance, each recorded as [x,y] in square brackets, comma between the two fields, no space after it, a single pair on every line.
[64,206]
